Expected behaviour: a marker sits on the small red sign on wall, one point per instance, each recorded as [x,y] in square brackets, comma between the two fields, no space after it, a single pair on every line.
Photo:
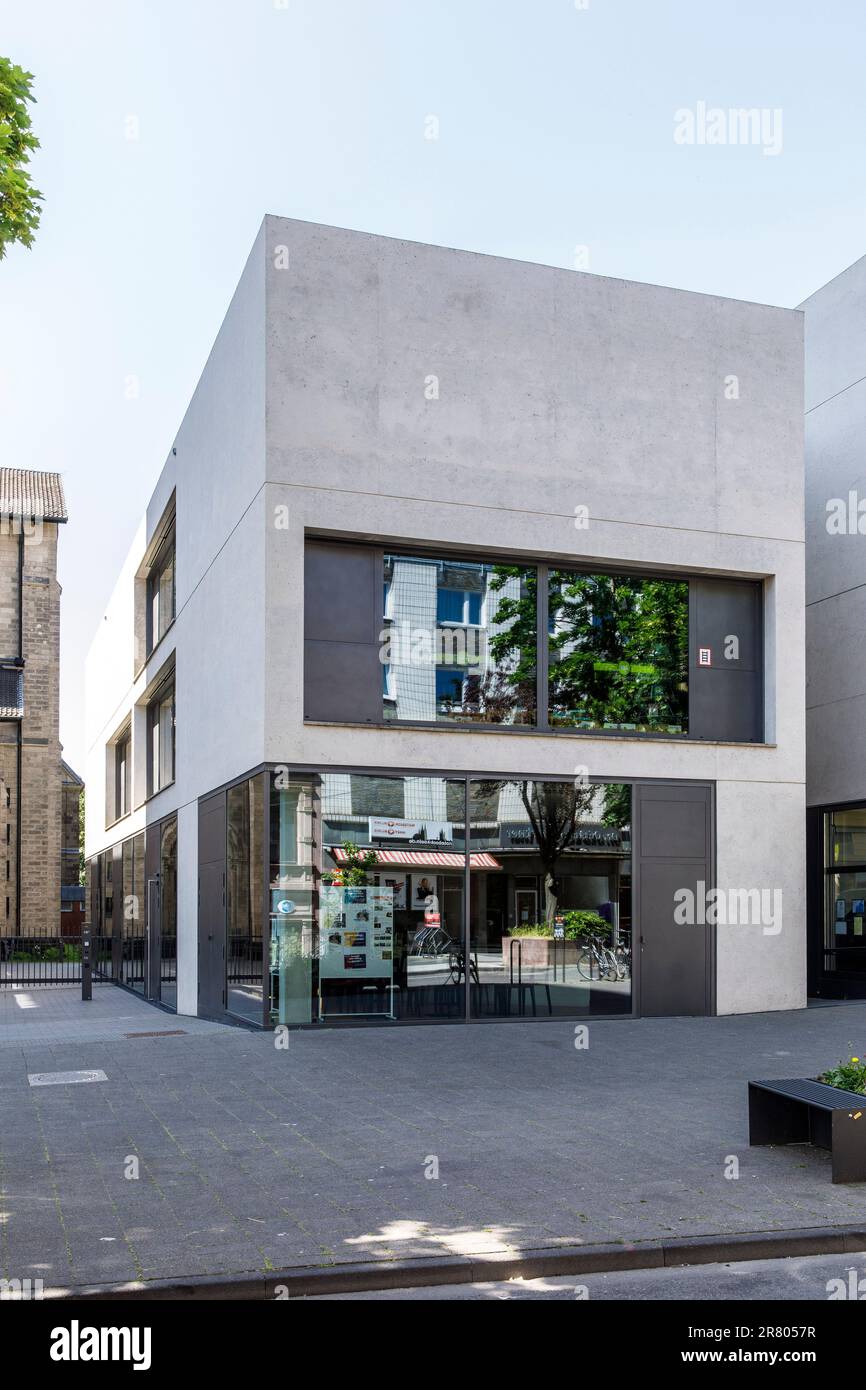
[705,656]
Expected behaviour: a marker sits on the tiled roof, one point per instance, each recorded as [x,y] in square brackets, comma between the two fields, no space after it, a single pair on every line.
[69,773]
[26,493]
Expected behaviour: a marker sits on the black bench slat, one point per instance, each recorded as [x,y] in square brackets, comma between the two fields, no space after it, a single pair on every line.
[816,1093]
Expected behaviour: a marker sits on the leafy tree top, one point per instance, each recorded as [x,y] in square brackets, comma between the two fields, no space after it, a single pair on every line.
[19,200]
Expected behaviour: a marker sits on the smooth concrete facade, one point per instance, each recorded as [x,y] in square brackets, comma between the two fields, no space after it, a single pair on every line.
[836,554]
[370,388]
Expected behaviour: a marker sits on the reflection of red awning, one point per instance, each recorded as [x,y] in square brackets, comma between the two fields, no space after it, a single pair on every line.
[423,858]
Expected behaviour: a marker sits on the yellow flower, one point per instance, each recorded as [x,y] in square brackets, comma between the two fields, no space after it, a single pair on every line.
[855,1059]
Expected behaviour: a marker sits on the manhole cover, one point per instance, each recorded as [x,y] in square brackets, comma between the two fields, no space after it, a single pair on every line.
[64,1078]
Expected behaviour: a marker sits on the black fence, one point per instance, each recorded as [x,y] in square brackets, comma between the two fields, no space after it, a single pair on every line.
[50,957]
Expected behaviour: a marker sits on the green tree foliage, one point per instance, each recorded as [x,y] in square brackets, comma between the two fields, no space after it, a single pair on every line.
[514,648]
[19,200]
[616,804]
[618,651]
[353,874]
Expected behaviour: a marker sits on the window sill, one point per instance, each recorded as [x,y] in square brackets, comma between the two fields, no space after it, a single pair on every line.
[151,796]
[112,823]
[529,731]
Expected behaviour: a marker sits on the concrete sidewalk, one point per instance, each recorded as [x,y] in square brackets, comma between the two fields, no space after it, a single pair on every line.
[253,1160]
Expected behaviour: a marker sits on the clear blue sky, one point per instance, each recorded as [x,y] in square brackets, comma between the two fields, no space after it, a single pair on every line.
[556,130]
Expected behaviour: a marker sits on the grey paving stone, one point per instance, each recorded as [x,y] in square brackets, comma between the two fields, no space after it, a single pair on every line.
[250,1156]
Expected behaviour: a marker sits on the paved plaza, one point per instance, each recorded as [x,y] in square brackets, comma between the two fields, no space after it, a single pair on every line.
[213,1151]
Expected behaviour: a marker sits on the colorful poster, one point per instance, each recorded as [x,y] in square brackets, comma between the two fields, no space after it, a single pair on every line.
[423,891]
[356,933]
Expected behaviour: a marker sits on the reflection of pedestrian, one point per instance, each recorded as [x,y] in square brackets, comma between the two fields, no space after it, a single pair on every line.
[424,890]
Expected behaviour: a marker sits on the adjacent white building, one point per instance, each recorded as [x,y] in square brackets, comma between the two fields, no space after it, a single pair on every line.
[581,498]
[835,617]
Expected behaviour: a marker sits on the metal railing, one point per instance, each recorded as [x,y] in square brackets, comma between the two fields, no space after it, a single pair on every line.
[50,956]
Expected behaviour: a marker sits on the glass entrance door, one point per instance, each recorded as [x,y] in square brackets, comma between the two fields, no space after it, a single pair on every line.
[526,906]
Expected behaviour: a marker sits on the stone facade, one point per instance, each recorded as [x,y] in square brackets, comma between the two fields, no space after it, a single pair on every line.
[34,907]
[70,847]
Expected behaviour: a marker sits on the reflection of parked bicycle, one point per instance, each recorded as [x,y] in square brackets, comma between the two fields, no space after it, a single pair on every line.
[457,965]
[598,962]
[622,952]
[431,941]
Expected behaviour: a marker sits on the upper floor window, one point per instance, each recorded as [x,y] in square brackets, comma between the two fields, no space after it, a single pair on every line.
[160,737]
[545,646]
[160,591]
[122,774]
[618,652]
[458,606]
[461,646]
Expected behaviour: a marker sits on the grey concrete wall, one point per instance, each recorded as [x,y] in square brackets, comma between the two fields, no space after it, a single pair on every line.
[555,390]
[217,471]
[835,564]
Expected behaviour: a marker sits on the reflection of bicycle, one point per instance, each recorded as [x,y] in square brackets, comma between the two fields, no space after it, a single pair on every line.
[431,941]
[457,965]
[598,962]
[622,954]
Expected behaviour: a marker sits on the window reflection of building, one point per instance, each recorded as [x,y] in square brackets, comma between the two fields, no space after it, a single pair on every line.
[449,624]
[388,941]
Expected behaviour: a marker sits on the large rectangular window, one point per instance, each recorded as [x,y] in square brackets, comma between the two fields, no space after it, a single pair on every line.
[374,882]
[441,639]
[160,737]
[161,591]
[844,952]
[168,912]
[244,888]
[618,652]
[459,641]
[550,927]
[122,774]
[132,911]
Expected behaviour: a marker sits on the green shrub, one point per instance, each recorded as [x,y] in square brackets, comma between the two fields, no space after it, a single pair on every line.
[579,924]
[582,923]
[848,1076]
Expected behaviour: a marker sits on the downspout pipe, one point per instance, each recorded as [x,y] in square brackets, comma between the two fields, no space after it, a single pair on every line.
[19,740]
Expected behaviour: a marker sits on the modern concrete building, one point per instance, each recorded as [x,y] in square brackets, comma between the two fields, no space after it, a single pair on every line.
[456,669]
[835,619]
[32,510]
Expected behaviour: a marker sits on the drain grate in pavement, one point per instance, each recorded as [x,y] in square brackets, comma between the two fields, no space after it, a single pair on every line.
[64,1078]
[160,1033]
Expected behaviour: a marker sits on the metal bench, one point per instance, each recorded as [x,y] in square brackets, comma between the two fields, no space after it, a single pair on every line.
[810,1112]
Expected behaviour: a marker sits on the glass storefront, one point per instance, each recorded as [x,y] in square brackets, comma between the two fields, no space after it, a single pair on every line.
[844,936]
[374,883]
[133,948]
[244,881]
[550,930]
[168,912]
[132,897]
